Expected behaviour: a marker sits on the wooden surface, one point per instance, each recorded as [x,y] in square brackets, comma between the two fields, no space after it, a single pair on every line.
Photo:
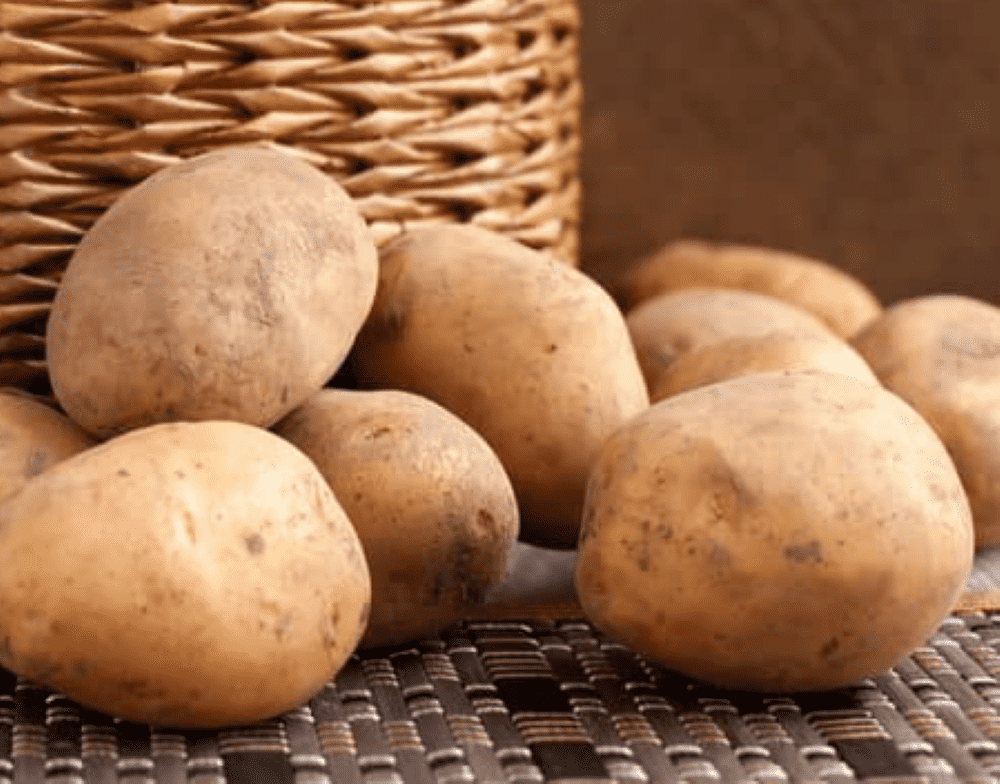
[864,132]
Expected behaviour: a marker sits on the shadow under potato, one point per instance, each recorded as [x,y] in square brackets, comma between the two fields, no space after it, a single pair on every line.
[536,576]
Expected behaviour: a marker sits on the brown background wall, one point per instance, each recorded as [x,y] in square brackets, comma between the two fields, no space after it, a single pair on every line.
[866,133]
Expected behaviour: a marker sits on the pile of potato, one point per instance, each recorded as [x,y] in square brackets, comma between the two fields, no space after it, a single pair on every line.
[213,523]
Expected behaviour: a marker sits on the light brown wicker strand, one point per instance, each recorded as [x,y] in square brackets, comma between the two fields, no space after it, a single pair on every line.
[425,110]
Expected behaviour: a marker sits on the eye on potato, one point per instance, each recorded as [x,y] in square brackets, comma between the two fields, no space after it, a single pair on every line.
[531,353]
[228,286]
[183,574]
[776,532]
[33,437]
[839,299]
[941,353]
[432,505]
[742,356]
[667,326]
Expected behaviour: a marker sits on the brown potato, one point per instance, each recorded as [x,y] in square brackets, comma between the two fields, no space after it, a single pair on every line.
[941,354]
[667,326]
[228,286]
[840,300]
[184,574]
[530,352]
[33,437]
[777,532]
[741,356]
[434,510]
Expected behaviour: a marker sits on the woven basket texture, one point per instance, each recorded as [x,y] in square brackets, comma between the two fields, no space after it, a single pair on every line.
[424,110]
[527,702]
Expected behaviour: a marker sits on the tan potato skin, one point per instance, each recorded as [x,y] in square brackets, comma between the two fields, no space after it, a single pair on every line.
[33,438]
[669,325]
[185,574]
[434,510]
[839,299]
[941,353]
[741,356]
[228,286]
[531,353]
[777,532]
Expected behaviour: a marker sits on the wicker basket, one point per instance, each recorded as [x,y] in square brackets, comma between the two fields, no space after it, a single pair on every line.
[424,110]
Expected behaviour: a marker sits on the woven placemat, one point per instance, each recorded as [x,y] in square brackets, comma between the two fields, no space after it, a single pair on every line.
[982,590]
[524,701]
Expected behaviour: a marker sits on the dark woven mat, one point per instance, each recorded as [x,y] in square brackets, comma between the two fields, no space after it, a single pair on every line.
[512,702]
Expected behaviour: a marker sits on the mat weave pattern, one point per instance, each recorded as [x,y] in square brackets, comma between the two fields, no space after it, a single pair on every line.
[523,702]
[424,110]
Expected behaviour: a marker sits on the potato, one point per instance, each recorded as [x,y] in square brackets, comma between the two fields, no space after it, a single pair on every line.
[667,326]
[193,574]
[229,286]
[777,532]
[840,300]
[530,352]
[33,437]
[941,353]
[742,356]
[434,510]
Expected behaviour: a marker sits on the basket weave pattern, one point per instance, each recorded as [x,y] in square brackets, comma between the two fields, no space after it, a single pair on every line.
[424,110]
[530,702]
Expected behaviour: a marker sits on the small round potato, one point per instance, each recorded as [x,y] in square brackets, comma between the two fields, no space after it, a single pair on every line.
[666,326]
[840,300]
[776,532]
[742,356]
[228,286]
[33,437]
[434,510]
[941,353]
[530,352]
[184,574]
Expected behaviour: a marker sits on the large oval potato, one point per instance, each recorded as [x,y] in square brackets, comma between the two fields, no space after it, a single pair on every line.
[941,353]
[840,300]
[667,326]
[530,352]
[775,532]
[744,355]
[184,574]
[228,286]
[33,438]
[432,505]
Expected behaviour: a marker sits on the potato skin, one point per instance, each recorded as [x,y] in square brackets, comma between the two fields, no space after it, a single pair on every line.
[33,438]
[776,532]
[432,505]
[742,356]
[195,575]
[667,326]
[941,353]
[228,286]
[840,300]
[531,353]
